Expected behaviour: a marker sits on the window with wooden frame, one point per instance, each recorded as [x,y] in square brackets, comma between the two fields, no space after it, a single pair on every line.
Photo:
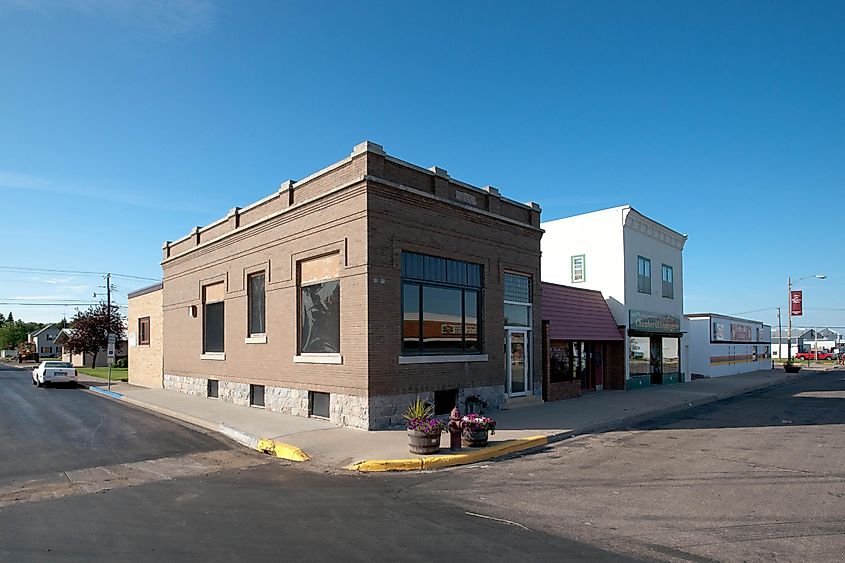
[319,305]
[144,331]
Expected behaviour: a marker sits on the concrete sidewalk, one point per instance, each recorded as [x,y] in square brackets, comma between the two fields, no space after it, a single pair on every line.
[330,447]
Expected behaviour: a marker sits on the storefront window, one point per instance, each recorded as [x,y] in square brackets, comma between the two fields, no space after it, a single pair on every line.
[213,318]
[561,362]
[441,304]
[639,354]
[671,358]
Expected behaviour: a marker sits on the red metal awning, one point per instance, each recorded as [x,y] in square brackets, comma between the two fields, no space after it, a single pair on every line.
[577,314]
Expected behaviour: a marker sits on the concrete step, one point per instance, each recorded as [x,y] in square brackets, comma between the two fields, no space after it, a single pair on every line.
[520,402]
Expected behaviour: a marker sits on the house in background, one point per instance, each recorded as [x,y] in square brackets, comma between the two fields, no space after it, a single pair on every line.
[637,264]
[86,359]
[45,341]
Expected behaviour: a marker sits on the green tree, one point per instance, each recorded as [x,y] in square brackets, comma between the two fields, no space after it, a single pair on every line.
[2,319]
[10,318]
[91,329]
[12,334]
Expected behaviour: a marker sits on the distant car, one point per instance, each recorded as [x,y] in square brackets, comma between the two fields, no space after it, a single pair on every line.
[53,372]
[812,356]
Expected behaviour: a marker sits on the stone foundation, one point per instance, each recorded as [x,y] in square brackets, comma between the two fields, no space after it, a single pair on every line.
[344,410]
[386,410]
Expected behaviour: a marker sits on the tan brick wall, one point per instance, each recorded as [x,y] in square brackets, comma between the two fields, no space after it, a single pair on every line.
[367,209]
[403,220]
[335,223]
[145,361]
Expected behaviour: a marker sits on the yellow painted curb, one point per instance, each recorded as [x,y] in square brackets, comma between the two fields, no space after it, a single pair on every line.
[449,460]
[282,450]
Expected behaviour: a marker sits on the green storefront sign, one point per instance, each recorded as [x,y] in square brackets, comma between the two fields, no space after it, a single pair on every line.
[644,321]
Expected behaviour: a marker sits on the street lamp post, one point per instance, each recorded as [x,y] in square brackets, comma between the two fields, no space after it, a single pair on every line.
[789,284]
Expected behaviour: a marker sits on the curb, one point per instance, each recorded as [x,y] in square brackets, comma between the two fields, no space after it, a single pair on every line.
[263,445]
[449,460]
[512,446]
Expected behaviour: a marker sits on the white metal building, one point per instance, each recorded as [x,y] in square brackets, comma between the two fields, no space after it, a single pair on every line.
[637,264]
[722,345]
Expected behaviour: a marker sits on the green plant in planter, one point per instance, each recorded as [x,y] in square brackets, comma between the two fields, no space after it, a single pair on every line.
[418,410]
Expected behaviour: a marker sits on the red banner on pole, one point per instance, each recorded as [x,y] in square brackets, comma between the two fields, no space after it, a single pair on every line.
[796,302]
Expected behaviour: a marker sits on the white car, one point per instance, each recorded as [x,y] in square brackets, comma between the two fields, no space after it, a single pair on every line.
[53,372]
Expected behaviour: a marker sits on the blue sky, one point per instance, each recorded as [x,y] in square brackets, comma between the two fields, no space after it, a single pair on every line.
[124,124]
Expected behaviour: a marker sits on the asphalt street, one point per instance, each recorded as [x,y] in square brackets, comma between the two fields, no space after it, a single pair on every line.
[83,478]
[758,477]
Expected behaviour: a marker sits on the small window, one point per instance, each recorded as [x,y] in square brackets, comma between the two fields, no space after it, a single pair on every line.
[213,318]
[643,275]
[255,298]
[213,389]
[578,272]
[445,401]
[256,395]
[668,277]
[318,404]
[49,338]
[144,330]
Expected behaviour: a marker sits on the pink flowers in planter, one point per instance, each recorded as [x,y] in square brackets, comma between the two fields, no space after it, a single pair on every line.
[476,422]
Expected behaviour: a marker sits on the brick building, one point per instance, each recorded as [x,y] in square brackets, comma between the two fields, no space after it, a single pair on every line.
[348,293]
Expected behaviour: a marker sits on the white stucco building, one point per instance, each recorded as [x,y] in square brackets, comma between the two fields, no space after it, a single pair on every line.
[637,264]
[721,345]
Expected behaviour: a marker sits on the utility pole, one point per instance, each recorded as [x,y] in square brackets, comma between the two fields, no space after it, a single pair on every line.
[108,316]
[789,313]
[780,339]
[816,334]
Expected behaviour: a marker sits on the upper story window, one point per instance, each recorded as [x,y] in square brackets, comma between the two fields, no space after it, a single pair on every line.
[578,269]
[255,304]
[213,317]
[643,275]
[668,282]
[144,331]
[319,311]
[517,300]
[49,338]
[441,305]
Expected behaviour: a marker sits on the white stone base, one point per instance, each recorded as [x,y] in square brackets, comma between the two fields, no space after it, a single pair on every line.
[364,413]
[386,410]
[344,410]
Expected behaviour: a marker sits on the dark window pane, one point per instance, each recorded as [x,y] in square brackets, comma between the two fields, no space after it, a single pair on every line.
[214,328]
[318,404]
[411,317]
[517,315]
[256,303]
[320,328]
[213,388]
[639,355]
[256,395]
[441,270]
[471,328]
[442,319]
[517,288]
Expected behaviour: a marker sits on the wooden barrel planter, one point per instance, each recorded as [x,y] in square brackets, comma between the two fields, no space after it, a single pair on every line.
[474,438]
[422,443]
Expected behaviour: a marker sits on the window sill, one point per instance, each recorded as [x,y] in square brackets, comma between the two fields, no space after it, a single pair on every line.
[443,359]
[219,356]
[318,359]
[257,339]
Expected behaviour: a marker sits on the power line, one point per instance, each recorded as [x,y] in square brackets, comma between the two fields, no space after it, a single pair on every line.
[19,269]
[16,303]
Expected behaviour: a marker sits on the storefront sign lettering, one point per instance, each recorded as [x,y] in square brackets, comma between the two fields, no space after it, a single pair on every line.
[654,322]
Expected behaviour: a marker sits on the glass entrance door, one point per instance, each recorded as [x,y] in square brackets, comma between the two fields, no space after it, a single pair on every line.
[518,362]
